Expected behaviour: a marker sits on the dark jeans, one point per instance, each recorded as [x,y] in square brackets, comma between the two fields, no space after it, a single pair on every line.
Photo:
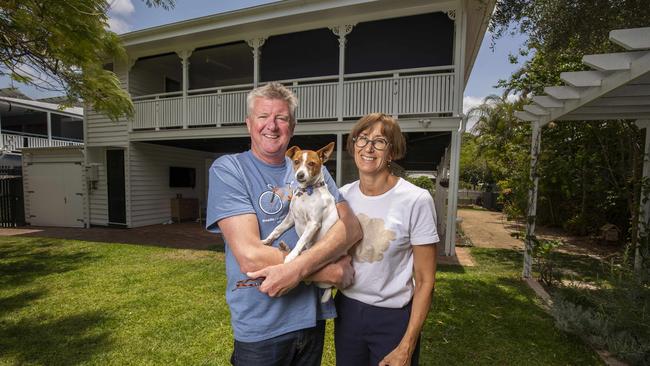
[302,347]
[365,334]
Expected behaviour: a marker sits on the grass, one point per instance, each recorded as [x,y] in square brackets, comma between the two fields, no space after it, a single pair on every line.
[610,292]
[68,302]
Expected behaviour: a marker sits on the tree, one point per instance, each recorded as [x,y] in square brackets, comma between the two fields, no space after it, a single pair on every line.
[589,170]
[62,46]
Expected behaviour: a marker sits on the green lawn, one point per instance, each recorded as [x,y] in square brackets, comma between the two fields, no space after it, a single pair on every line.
[71,302]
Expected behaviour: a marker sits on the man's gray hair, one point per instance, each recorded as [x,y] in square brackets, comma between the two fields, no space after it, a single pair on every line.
[273,91]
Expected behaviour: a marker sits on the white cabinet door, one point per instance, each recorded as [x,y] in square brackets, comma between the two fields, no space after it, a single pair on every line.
[55,194]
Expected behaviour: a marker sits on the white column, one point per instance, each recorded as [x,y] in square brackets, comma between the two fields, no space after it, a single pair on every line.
[185,62]
[129,65]
[644,207]
[49,128]
[341,31]
[452,195]
[339,158]
[2,142]
[458,16]
[529,240]
[255,44]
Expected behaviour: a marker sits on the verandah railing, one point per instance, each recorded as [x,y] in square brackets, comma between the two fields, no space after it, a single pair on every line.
[14,141]
[400,92]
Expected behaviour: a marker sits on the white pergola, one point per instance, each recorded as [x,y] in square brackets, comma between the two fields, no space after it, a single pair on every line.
[617,88]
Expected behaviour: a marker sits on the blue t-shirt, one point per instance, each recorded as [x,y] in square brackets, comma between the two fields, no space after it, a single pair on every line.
[242,184]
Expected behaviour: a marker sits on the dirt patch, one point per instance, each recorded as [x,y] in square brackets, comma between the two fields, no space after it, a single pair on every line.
[487,229]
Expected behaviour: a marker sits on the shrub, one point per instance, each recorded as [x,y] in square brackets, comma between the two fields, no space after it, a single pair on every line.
[422,182]
[543,253]
[598,330]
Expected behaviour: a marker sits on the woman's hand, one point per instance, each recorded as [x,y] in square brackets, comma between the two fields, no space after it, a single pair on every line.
[400,356]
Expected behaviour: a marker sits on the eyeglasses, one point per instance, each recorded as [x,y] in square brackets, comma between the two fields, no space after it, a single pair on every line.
[378,143]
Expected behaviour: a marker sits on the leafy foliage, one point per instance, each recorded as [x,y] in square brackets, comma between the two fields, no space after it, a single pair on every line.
[601,331]
[422,182]
[62,46]
[589,170]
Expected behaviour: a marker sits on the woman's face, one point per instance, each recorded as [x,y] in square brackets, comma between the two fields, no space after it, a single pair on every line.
[369,159]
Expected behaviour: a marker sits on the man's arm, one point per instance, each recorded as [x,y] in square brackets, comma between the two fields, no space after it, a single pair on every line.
[242,234]
[337,241]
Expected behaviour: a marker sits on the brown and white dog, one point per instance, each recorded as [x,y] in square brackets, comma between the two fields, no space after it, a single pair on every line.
[312,209]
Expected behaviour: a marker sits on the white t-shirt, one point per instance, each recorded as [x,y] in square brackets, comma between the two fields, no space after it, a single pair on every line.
[392,222]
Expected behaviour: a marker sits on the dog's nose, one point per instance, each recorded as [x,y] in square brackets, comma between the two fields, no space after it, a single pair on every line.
[300,175]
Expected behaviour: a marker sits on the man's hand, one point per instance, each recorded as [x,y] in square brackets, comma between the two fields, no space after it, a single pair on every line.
[279,279]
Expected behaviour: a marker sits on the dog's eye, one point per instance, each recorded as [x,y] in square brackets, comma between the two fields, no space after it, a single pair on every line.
[311,163]
[296,162]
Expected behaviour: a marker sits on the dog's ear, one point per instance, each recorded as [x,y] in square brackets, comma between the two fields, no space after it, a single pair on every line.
[325,153]
[292,151]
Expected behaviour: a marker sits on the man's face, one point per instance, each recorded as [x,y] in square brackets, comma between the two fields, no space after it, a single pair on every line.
[270,129]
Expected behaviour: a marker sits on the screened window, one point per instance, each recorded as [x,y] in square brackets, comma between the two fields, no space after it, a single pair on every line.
[300,55]
[400,43]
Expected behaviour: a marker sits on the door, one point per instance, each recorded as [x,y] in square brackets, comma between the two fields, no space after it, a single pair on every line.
[55,194]
[116,187]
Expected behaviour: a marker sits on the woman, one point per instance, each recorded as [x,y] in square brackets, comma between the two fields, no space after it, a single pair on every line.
[380,316]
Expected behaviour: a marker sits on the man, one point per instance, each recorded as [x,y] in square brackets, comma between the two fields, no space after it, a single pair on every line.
[283,322]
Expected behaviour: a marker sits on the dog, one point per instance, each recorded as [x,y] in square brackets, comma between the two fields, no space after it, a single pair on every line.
[312,209]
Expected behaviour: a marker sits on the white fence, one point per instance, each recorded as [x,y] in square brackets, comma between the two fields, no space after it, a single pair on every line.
[400,93]
[15,142]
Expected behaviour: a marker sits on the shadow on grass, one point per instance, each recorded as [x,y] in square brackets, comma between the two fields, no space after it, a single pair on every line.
[582,266]
[448,268]
[22,262]
[19,301]
[494,320]
[220,248]
[68,341]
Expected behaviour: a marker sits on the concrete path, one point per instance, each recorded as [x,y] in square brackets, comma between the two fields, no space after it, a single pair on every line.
[487,229]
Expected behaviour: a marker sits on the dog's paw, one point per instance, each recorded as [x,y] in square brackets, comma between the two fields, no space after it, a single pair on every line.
[284,247]
[267,241]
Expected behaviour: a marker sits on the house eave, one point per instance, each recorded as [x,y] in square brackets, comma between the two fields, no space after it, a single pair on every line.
[271,19]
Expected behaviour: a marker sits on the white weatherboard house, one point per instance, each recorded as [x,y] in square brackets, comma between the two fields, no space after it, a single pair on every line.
[343,59]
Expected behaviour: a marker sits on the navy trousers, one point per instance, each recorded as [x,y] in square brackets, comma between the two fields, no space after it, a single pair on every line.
[365,334]
[300,348]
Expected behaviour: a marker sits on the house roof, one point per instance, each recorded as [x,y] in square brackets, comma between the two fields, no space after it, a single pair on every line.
[43,106]
[288,16]
[617,87]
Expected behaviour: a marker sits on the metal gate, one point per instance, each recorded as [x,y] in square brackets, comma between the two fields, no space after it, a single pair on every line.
[12,209]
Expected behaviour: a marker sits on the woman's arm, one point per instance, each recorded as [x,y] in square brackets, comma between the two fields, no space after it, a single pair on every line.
[424,263]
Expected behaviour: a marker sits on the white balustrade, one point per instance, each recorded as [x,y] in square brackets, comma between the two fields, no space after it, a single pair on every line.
[202,109]
[316,101]
[233,107]
[15,142]
[402,93]
[422,94]
[366,96]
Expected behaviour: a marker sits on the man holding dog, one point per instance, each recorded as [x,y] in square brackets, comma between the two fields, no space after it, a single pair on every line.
[283,322]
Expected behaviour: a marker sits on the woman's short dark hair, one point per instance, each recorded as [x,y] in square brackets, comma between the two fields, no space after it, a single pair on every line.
[389,128]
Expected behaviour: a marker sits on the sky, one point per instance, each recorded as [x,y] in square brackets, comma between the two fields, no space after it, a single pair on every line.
[130,15]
